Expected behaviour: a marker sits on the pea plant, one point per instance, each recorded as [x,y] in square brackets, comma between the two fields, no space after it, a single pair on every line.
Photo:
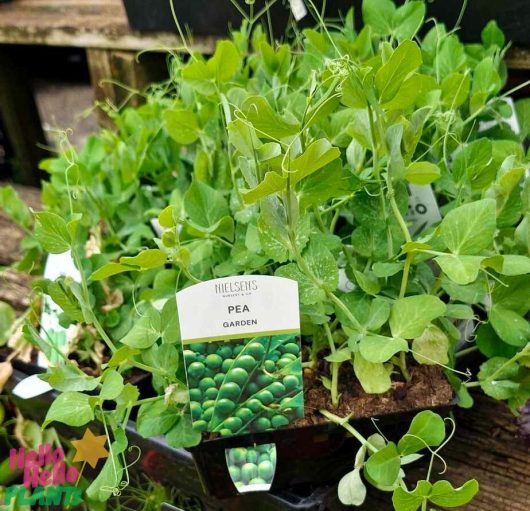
[296,159]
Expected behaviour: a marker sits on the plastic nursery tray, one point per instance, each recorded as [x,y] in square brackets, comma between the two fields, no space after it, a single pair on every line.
[176,468]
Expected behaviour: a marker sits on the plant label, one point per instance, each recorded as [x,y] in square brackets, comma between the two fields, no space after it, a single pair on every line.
[31,387]
[57,265]
[252,468]
[298,9]
[242,353]
[423,208]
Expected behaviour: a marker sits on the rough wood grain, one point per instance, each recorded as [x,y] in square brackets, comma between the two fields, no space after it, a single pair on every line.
[84,24]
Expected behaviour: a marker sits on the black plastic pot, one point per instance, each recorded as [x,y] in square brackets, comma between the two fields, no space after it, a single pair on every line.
[215,17]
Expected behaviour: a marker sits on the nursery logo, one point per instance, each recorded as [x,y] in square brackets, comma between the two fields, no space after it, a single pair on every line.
[47,479]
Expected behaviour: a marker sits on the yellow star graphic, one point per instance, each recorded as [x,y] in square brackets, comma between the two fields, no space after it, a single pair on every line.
[90,448]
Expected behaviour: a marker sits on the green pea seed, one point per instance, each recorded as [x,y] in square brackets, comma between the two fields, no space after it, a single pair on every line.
[237,375]
[195,394]
[200,425]
[206,383]
[256,350]
[263,457]
[264,379]
[209,403]
[291,382]
[245,414]
[212,348]
[218,379]
[252,388]
[225,432]
[224,407]
[291,347]
[230,391]
[200,347]
[235,473]
[262,424]
[238,349]
[279,421]
[196,369]
[238,455]
[289,356]
[277,389]
[224,352]
[266,470]
[208,414]
[234,424]
[252,456]
[248,472]
[189,356]
[265,397]
[213,361]
[227,364]
[196,410]
[283,362]
[269,366]
[246,362]
[254,405]
[210,393]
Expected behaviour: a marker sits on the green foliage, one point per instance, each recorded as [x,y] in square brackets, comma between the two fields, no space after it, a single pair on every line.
[297,160]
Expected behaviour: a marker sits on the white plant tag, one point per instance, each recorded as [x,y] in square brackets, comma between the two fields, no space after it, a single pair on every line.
[512,121]
[31,387]
[298,9]
[345,284]
[155,224]
[57,265]
[241,342]
[423,208]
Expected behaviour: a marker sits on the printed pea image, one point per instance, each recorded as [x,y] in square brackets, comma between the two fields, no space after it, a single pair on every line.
[245,385]
[252,468]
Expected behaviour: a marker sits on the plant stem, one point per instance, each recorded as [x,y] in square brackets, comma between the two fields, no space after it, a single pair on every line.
[467,351]
[403,366]
[334,368]
[149,369]
[348,427]
[406,271]
[340,304]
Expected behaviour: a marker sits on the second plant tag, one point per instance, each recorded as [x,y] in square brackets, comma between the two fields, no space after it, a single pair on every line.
[242,353]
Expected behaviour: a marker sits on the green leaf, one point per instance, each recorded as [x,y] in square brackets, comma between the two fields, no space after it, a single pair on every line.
[15,207]
[150,258]
[408,19]
[317,155]
[515,265]
[267,123]
[70,408]
[427,428]
[112,385]
[155,419]
[107,480]
[67,378]
[405,500]
[110,269]
[378,348]
[339,356]
[145,331]
[322,265]
[384,465]
[65,300]
[460,269]
[383,270]
[182,126]
[204,205]
[374,378]
[225,61]
[351,490]
[121,355]
[182,434]
[405,59]
[7,318]
[272,183]
[52,233]
[443,494]
[431,347]
[503,386]
[243,137]
[492,35]
[455,90]
[469,229]
[411,315]
[367,282]
[379,14]
[472,159]
[422,173]
[511,327]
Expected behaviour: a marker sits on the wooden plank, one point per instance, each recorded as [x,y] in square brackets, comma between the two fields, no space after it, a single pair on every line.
[20,119]
[84,24]
[518,58]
